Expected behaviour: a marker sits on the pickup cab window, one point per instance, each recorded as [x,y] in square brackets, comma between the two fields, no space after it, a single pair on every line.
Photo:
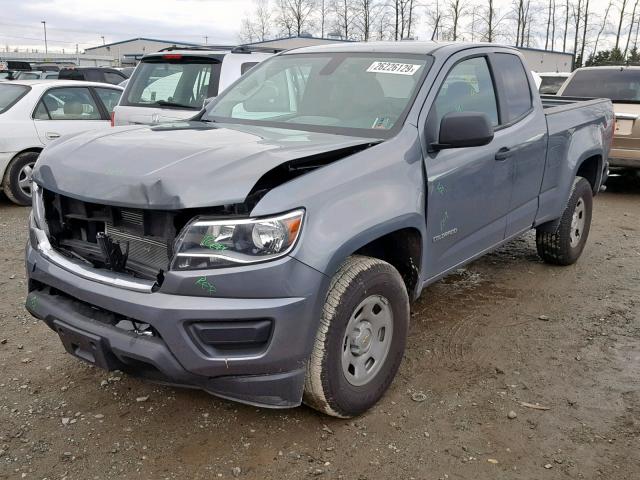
[329,92]
[515,90]
[467,88]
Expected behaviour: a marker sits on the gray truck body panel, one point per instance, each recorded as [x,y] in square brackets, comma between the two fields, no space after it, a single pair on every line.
[460,203]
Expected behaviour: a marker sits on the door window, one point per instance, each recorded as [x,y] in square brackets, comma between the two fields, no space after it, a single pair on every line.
[113,78]
[73,103]
[467,88]
[514,83]
[109,97]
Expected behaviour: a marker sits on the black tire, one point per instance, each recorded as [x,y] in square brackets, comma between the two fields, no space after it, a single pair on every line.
[359,279]
[563,246]
[11,180]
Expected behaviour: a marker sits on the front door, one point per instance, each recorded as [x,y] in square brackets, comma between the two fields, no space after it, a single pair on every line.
[468,189]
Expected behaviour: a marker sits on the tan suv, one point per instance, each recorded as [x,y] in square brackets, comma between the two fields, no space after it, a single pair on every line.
[622,85]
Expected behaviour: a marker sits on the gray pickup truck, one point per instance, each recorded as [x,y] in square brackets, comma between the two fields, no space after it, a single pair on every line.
[267,250]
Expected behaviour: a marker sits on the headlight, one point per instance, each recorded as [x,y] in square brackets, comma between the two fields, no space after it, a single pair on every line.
[224,243]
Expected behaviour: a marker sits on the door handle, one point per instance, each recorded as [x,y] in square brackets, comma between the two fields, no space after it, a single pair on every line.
[504,153]
[52,135]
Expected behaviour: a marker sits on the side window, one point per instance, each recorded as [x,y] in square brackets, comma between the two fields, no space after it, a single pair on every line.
[245,67]
[467,88]
[113,78]
[516,93]
[109,97]
[72,103]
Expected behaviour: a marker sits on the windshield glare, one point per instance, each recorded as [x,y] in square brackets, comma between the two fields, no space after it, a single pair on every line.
[334,92]
[617,85]
[10,94]
[173,84]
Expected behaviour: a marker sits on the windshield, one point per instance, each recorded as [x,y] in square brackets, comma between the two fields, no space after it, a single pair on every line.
[10,94]
[551,85]
[333,92]
[173,84]
[621,85]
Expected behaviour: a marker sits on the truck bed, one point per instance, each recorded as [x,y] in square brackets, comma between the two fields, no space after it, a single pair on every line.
[555,103]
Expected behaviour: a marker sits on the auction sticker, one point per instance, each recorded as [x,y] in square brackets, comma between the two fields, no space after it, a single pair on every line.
[395,68]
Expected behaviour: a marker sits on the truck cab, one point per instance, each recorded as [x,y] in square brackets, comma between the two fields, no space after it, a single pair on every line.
[268,249]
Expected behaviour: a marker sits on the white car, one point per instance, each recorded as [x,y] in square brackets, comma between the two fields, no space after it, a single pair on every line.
[552,82]
[34,113]
[174,85]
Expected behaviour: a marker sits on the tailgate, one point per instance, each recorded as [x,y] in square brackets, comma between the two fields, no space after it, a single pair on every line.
[627,134]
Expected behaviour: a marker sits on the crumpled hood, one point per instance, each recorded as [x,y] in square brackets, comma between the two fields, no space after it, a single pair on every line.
[174,166]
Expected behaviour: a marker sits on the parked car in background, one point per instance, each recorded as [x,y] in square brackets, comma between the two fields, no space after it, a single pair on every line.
[11,68]
[174,84]
[37,75]
[267,250]
[93,74]
[34,113]
[550,82]
[622,85]
[127,71]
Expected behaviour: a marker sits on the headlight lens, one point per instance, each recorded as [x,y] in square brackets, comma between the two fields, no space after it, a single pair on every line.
[206,243]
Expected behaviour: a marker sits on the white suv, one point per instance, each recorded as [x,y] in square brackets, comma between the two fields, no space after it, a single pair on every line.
[173,84]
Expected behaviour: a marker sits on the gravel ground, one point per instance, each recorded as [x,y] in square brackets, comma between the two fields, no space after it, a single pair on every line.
[489,347]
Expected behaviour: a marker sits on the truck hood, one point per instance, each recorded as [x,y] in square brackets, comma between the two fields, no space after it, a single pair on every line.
[175,166]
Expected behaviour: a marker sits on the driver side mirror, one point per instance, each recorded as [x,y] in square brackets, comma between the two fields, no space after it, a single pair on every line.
[464,129]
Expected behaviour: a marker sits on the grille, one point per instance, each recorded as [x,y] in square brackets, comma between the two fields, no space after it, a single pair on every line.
[144,251]
[74,226]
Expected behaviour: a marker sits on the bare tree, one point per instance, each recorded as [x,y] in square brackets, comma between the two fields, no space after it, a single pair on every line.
[566,25]
[623,6]
[434,18]
[584,31]
[490,20]
[366,15]
[633,20]
[456,10]
[577,16]
[602,27]
[553,26]
[345,14]
[546,42]
[257,26]
[294,16]
[323,11]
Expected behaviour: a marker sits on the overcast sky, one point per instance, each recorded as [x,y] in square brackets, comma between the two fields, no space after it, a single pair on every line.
[85,21]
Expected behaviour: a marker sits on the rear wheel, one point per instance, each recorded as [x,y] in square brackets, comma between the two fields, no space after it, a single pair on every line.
[565,245]
[361,339]
[17,178]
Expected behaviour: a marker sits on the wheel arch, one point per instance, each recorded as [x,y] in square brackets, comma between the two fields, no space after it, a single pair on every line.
[25,150]
[590,168]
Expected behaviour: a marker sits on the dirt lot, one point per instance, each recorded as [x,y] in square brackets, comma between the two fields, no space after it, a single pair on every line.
[507,329]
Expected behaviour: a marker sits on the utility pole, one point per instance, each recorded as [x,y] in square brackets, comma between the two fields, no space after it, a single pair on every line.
[44,24]
[206,39]
[102,37]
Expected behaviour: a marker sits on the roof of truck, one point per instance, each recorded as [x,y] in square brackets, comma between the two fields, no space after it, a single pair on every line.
[408,46]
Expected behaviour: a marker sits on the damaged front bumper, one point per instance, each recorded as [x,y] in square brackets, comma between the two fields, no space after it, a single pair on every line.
[250,347]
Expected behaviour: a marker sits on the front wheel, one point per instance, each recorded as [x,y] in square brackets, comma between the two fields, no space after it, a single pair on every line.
[361,339]
[17,179]
[564,246]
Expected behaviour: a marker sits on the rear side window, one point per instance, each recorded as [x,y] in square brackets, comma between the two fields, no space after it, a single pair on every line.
[73,103]
[109,97]
[173,84]
[113,78]
[10,94]
[515,91]
[245,67]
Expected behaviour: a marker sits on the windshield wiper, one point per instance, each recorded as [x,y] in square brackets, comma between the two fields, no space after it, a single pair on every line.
[165,103]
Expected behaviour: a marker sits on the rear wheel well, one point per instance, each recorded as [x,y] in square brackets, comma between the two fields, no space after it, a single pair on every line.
[589,169]
[403,250]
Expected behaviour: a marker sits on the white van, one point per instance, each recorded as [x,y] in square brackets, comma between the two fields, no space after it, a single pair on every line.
[174,83]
